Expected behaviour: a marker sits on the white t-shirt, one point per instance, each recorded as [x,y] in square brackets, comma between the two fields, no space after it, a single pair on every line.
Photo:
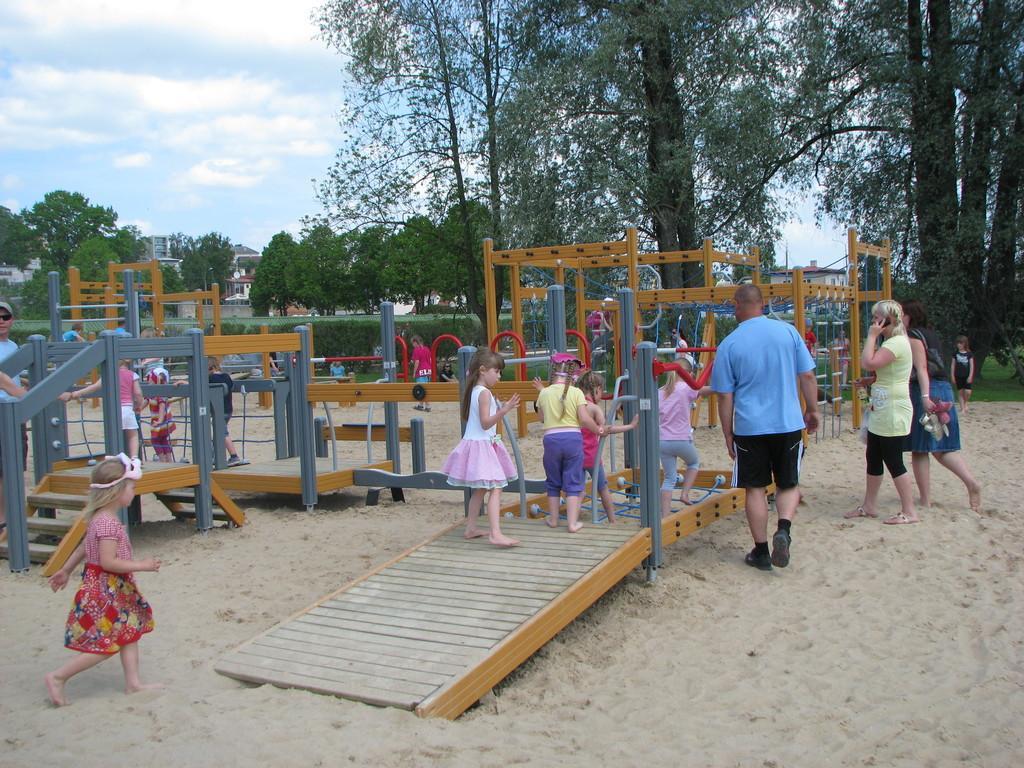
[7,348]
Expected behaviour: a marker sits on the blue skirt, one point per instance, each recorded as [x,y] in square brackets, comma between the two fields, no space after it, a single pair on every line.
[920,441]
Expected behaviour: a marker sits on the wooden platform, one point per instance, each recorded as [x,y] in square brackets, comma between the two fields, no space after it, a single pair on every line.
[283,476]
[436,628]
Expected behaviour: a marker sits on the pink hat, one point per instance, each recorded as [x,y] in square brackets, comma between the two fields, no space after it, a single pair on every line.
[564,357]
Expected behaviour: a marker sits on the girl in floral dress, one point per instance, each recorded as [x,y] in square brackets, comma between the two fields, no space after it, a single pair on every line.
[109,614]
[480,461]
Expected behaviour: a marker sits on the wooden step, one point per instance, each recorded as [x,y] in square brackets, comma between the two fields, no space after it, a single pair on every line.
[190,514]
[182,495]
[48,525]
[37,553]
[56,501]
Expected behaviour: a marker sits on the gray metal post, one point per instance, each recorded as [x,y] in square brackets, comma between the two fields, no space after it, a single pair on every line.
[556,318]
[131,305]
[387,344]
[202,440]
[282,392]
[53,289]
[465,355]
[49,431]
[13,493]
[304,423]
[319,441]
[419,446]
[112,432]
[627,322]
[650,506]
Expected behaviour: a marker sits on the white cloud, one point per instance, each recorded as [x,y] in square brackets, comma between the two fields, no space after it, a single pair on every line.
[282,26]
[11,204]
[135,160]
[225,172]
[10,181]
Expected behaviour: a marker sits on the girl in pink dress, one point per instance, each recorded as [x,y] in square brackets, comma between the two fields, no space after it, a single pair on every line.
[109,614]
[480,460]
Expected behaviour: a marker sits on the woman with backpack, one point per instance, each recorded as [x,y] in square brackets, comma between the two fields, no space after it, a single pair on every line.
[930,368]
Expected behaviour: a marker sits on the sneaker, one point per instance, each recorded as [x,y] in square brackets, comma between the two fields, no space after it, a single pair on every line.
[780,548]
[418,407]
[235,461]
[761,562]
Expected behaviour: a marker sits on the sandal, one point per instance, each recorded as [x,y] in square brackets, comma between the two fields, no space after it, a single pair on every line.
[859,512]
[901,519]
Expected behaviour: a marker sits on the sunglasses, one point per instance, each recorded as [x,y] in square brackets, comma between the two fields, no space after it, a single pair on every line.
[6,317]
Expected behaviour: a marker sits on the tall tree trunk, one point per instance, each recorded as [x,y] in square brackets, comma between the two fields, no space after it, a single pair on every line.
[670,189]
[468,246]
[492,76]
[933,154]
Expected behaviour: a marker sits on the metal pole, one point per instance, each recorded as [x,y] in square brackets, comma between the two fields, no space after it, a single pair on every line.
[13,489]
[627,322]
[556,318]
[53,289]
[112,432]
[419,446]
[319,441]
[131,305]
[202,440]
[650,507]
[387,344]
[304,412]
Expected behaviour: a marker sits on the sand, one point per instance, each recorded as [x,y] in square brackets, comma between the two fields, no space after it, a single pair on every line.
[879,645]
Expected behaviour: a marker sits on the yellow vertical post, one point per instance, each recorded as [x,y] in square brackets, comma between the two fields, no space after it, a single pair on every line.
[710,339]
[709,263]
[109,310]
[755,254]
[855,341]
[75,292]
[265,397]
[516,294]
[581,288]
[492,302]
[887,269]
[215,301]
[157,299]
[200,297]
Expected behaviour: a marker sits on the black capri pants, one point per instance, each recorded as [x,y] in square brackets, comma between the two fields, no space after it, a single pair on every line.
[887,451]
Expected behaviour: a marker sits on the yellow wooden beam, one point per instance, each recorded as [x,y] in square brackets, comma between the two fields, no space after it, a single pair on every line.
[690,519]
[252,342]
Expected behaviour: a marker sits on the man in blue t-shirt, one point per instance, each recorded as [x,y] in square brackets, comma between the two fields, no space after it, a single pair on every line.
[757,370]
[75,334]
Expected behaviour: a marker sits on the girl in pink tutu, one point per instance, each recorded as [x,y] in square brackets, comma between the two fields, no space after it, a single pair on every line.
[480,460]
[109,614]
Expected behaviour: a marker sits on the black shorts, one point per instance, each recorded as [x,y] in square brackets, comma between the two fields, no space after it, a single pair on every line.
[759,458]
[24,453]
[962,383]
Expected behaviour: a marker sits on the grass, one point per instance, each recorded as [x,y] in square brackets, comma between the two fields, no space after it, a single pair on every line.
[997,384]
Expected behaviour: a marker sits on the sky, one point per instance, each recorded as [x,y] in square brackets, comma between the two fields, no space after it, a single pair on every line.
[193,117]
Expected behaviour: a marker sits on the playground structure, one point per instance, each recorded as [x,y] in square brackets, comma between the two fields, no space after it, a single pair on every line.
[619,264]
[100,302]
[445,621]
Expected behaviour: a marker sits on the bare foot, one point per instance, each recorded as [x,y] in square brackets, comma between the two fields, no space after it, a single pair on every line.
[55,688]
[901,519]
[550,523]
[501,540]
[139,687]
[612,519]
[576,528]
[860,512]
[474,534]
[974,495]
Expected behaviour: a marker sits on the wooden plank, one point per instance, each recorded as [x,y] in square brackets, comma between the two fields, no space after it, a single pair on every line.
[477,577]
[440,606]
[226,503]
[357,653]
[407,645]
[503,568]
[691,519]
[532,590]
[311,660]
[393,630]
[418,591]
[66,547]
[284,679]
[411,611]
[457,696]
[252,342]
[385,622]
[534,552]
[389,654]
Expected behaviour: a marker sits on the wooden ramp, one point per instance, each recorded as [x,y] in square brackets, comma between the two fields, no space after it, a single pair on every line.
[284,476]
[436,628]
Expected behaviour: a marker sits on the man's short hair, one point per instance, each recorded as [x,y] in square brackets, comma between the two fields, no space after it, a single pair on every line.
[749,294]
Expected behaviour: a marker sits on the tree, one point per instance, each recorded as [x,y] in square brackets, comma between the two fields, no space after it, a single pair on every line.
[317,275]
[18,244]
[204,260]
[92,257]
[429,79]
[422,261]
[270,283]
[63,221]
